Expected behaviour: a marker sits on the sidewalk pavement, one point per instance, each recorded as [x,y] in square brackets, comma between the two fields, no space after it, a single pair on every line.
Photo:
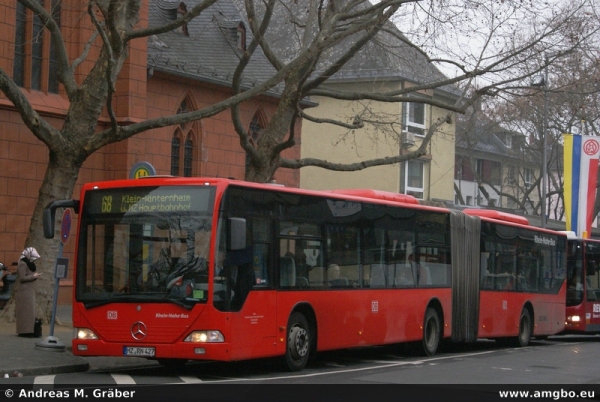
[46,356]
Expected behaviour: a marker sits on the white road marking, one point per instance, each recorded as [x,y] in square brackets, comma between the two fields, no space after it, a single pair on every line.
[122,379]
[385,365]
[189,379]
[44,380]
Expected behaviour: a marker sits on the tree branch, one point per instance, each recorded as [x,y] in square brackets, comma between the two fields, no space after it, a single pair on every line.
[38,126]
[356,124]
[348,167]
[185,18]
[109,68]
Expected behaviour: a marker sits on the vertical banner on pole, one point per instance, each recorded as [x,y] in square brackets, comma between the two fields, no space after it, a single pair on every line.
[581,153]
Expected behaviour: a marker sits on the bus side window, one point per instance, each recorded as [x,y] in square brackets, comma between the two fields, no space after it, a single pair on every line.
[261,246]
[316,277]
[378,277]
[259,264]
[287,271]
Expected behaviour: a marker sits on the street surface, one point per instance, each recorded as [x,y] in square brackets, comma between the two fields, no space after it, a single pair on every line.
[558,360]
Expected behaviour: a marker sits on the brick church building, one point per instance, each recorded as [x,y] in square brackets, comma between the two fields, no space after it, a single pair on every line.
[178,71]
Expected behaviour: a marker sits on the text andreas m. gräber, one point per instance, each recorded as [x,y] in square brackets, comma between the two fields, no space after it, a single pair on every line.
[65,394]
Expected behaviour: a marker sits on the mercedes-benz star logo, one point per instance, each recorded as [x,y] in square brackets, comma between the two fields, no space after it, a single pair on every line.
[139,330]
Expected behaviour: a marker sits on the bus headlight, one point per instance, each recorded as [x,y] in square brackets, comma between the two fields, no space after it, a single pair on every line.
[205,337]
[574,318]
[86,333]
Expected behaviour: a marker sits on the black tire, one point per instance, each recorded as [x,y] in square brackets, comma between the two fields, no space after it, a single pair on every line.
[524,329]
[431,332]
[298,345]
[522,340]
[172,364]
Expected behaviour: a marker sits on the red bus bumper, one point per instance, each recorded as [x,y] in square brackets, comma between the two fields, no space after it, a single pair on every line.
[180,350]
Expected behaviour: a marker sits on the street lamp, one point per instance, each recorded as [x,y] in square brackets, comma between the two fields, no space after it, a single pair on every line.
[542,81]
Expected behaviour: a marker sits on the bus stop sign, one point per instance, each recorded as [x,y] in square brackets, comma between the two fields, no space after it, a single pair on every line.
[142,169]
[65,227]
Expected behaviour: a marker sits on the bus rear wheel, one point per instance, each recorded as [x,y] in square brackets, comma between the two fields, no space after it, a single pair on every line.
[298,343]
[524,329]
[431,332]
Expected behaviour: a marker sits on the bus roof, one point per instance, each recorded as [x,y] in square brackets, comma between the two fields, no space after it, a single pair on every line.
[378,195]
[358,195]
[570,234]
[497,215]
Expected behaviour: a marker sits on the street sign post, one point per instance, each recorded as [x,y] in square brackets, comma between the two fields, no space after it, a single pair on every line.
[60,272]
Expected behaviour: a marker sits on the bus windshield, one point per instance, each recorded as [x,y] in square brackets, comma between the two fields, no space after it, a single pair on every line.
[144,244]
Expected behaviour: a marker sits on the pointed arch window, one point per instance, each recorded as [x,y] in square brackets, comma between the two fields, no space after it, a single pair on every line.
[183,145]
[175,147]
[188,155]
[35,64]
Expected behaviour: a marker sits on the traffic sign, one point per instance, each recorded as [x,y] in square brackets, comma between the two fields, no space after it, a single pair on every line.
[142,169]
[65,227]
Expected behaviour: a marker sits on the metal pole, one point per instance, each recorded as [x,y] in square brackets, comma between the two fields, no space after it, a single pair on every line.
[544,145]
[54,301]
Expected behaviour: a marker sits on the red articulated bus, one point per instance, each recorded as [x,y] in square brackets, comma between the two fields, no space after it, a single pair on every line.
[523,271]
[175,269]
[583,286]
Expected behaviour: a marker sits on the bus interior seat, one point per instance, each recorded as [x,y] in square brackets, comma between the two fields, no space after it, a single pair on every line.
[339,283]
[301,282]
[487,281]
[287,271]
[378,276]
[404,276]
[315,277]
[424,276]
[439,274]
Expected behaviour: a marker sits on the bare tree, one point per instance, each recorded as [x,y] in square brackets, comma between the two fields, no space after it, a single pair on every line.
[573,94]
[483,142]
[329,34]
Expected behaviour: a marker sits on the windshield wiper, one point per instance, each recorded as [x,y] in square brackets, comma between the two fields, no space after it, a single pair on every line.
[112,298]
[180,303]
[133,298]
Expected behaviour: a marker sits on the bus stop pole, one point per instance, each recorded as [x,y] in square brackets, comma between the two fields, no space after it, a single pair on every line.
[54,301]
[51,342]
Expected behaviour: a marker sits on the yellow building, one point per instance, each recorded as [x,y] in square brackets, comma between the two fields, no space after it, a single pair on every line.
[390,128]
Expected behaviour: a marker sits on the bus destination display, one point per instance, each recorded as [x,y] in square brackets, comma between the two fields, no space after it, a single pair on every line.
[149,200]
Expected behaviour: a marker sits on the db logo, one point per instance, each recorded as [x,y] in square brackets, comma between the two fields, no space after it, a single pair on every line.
[590,147]
[596,308]
[111,315]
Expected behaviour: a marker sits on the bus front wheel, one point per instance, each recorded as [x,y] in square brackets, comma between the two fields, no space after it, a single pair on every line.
[298,343]
[431,332]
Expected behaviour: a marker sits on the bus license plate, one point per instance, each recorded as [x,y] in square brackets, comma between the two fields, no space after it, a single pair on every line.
[137,351]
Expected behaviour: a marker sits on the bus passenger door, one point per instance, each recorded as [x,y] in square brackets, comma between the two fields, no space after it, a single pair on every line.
[253,326]
[592,288]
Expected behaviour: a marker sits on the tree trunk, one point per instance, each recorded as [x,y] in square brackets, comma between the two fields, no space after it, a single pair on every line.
[58,184]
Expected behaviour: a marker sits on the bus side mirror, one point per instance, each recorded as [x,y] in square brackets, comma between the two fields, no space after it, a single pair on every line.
[49,216]
[237,234]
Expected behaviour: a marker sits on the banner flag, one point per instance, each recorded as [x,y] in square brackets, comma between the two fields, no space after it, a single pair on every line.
[581,153]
